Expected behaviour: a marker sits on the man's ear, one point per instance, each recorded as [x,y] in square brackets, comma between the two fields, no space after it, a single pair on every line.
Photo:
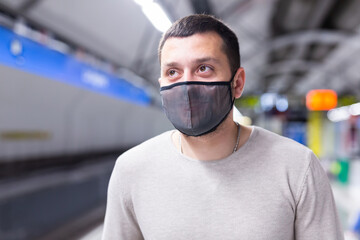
[239,82]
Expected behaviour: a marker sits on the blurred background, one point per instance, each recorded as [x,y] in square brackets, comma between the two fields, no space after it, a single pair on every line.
[78,86]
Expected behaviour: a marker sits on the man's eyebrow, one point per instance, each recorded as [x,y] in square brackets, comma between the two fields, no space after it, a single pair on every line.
[171,64]
[207,59]
[198,60]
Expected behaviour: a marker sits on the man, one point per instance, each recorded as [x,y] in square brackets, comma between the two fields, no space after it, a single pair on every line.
[211,178]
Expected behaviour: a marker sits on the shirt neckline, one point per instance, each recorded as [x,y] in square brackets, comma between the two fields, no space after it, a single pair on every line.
[234,155]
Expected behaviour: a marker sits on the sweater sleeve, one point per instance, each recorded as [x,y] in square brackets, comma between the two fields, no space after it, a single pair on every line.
[316,213]
[120,221]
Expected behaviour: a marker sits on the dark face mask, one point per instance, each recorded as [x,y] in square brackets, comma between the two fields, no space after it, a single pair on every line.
[197,108]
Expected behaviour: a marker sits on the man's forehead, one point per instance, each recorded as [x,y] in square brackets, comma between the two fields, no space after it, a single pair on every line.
[203,45]
[206,35]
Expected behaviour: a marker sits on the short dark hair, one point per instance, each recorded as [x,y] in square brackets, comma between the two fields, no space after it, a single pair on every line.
[200,23]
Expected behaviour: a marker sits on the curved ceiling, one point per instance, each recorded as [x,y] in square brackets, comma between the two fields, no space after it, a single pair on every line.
[287,46]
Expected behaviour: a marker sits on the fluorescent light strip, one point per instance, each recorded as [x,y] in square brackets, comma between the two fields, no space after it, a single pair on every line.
[154,12]
[355,109]
[344,113]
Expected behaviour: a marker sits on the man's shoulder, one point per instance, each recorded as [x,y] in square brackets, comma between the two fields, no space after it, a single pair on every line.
[285,157]
[272,139]
[282,148]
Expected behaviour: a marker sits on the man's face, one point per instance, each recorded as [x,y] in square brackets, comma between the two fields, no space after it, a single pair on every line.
[195,58]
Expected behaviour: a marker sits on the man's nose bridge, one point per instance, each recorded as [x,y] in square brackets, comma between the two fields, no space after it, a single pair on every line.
[188,76]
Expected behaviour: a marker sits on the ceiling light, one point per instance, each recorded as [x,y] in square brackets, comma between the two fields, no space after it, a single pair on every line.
[154,12]
[282,104]
[355,109]
[339,114]
[344,113]
[267,101]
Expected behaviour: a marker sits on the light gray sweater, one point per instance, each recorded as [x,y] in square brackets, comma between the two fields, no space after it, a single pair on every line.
[271,188]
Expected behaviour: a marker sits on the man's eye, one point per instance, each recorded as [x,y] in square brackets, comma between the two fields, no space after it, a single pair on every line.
[172,73]
[204,68]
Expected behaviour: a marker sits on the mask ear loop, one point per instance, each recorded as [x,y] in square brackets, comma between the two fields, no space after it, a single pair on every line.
[230,89]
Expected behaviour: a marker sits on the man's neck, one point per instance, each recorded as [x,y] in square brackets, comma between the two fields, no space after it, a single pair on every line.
[213,146]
